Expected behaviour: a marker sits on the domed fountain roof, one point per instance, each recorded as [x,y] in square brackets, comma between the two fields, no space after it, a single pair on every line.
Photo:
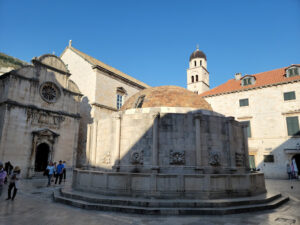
[166,96]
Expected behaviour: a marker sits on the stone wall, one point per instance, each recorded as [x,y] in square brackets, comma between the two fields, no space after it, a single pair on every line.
[205,186]
[267,112]
[100,95]
[106,92]
[82,73]
[17,137]
[126,140]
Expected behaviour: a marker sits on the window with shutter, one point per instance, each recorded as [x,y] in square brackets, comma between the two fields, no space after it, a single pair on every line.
[292,124]
[247,123]
[289,95]
[244,102]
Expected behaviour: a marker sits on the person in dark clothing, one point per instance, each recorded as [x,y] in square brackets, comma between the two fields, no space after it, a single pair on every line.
[59,172]
[14,183]
[8,168]
[64,171]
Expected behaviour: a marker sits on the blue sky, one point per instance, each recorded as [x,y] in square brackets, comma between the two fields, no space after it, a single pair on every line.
[152,40]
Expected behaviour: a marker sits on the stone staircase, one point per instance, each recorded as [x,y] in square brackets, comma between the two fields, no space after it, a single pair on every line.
[168,206]
[39,175]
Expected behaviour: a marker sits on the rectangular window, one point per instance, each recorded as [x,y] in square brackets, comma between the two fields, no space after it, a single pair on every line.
[244,102]
[119,101]
[269,158]
[252,162]
[293,72]
[292,124]
[246,81]
[289,96]
[247,123]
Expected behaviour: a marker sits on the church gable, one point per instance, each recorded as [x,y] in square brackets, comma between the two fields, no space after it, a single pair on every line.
[53,62]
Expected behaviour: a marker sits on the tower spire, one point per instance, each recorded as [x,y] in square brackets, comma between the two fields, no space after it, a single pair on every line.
[197,46]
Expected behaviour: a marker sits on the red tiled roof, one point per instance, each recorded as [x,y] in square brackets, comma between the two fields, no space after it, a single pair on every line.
[272,77]
[167,96]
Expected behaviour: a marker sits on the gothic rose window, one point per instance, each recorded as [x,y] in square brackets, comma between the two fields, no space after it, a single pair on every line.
[49,92]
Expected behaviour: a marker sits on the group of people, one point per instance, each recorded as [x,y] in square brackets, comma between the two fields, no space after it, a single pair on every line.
[11,174]
[57,171]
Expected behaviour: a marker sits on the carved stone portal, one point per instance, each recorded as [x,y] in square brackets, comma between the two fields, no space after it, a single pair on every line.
[177,158]
[39,137]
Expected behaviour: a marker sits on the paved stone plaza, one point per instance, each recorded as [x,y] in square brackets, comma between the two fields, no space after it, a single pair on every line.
[34,206]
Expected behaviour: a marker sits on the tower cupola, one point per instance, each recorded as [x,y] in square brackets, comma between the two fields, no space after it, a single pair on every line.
[197,54]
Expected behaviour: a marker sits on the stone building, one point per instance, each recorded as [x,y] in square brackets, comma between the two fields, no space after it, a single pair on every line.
[268,103]
[39,115]
[105,89]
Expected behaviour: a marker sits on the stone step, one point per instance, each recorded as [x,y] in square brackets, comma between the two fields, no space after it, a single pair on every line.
[178,210]
[39,175]
[143,202]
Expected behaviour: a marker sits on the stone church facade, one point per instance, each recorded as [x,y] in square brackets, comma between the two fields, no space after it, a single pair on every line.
[268,103]
[104,90]
[39,115]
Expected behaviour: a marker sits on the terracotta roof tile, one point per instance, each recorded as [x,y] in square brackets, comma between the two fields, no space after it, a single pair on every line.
[97,62]
[272,77]
[167,96]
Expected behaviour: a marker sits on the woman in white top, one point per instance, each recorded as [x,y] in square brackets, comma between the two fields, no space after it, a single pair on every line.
[50,171]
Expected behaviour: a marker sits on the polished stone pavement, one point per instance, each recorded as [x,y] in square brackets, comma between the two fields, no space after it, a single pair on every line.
[34,206]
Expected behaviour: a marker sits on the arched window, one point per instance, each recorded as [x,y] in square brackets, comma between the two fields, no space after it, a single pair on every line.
[196,78]
[195,63]
[192,79]
[200,62]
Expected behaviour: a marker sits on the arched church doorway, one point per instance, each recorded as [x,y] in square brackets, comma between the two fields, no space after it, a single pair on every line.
[41,157]
[297,161]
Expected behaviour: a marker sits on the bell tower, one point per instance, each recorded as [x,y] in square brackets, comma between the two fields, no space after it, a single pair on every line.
[197,74]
